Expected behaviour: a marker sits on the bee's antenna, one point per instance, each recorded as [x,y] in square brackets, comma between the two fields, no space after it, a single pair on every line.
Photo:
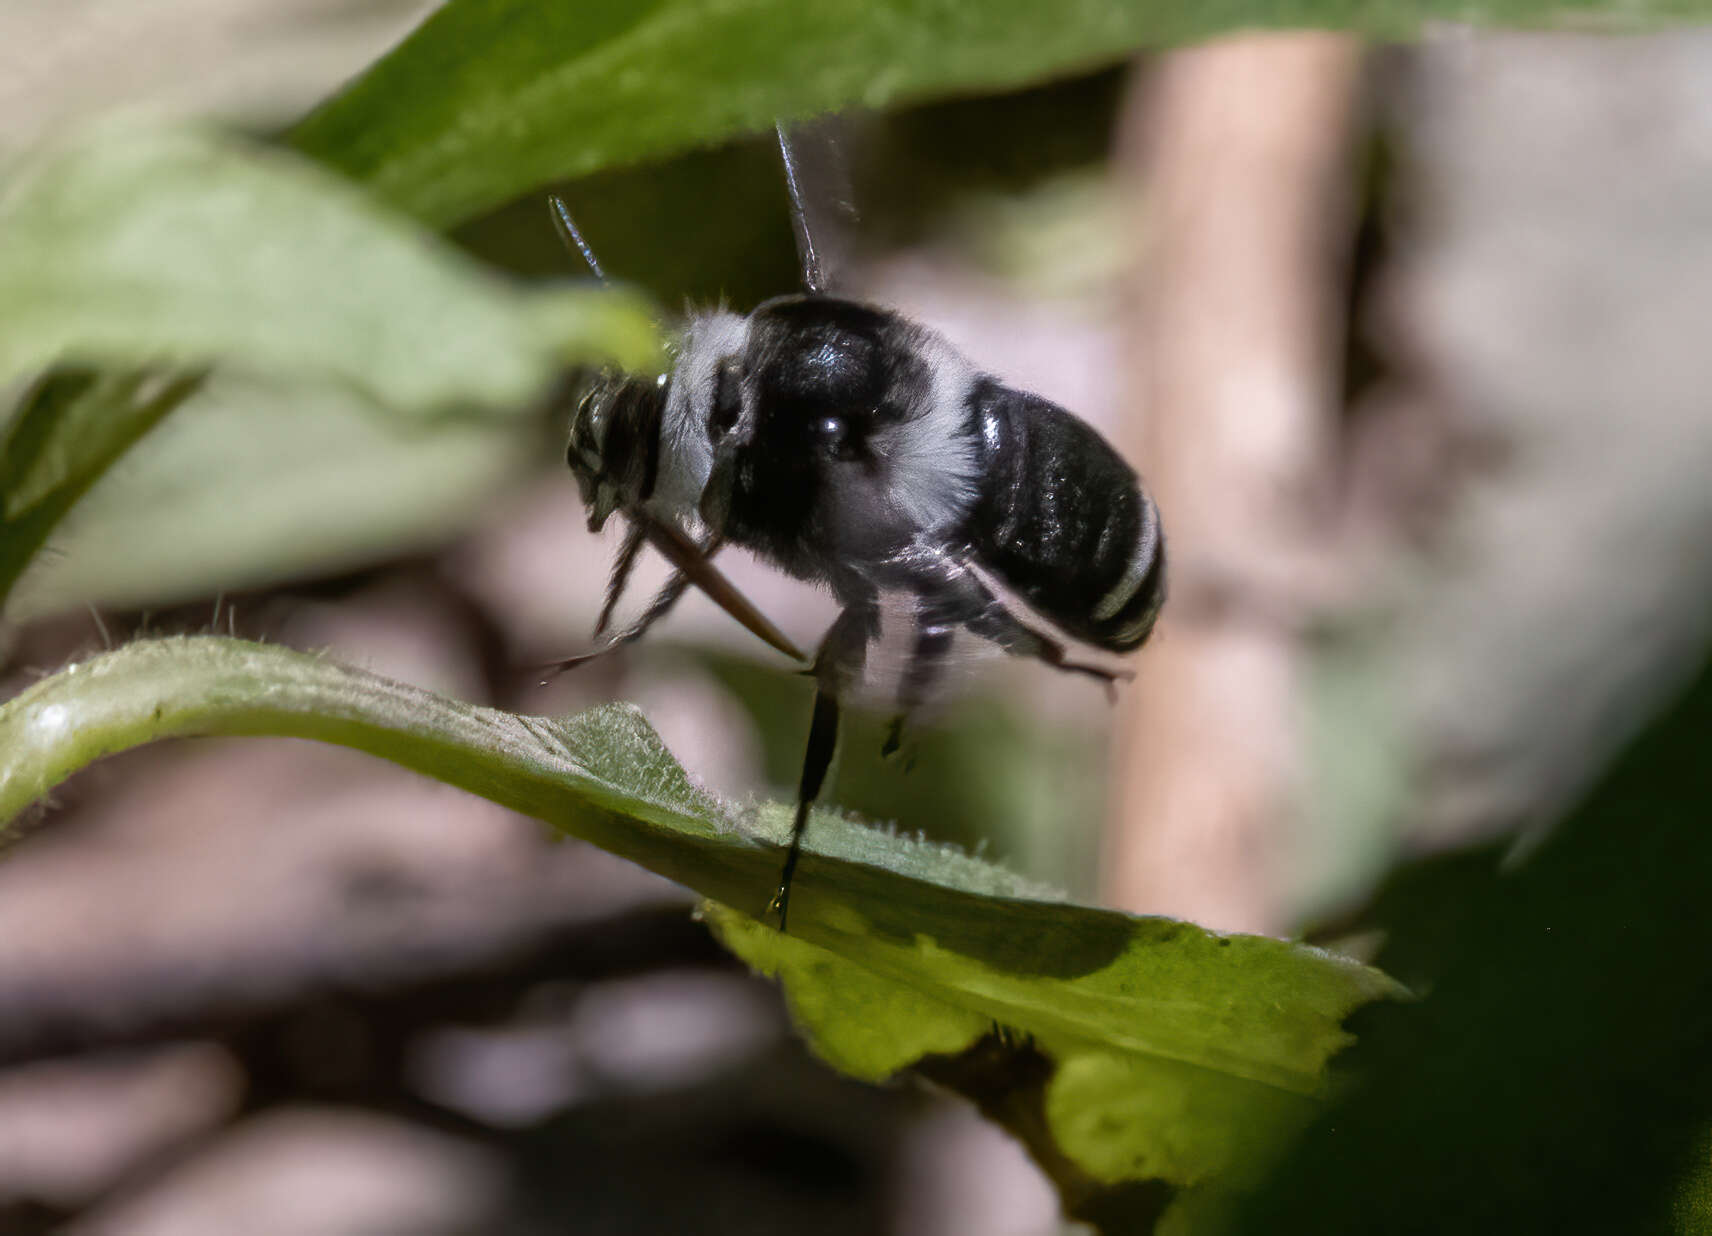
[814,278]
[567,229]
[823,207]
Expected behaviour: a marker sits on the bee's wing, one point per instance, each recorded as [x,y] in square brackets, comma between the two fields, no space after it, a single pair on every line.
[970,660]
[823,204]
[961,670]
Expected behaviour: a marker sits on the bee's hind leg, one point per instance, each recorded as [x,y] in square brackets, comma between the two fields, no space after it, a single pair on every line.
[840,658]
[1016,637]
[978,609]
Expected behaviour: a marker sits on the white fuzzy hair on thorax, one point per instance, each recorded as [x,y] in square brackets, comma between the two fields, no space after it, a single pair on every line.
[686,454]
[931,456]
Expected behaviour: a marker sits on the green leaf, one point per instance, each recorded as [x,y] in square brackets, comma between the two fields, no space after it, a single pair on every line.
[1131,1050]
[249,484]
[489,98]
[1185,1061]
[139,247]
[68,429]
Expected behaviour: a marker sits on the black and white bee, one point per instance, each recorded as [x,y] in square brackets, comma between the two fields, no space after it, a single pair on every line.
[850,446]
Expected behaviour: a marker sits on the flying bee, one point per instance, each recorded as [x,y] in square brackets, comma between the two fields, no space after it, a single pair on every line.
[855,448]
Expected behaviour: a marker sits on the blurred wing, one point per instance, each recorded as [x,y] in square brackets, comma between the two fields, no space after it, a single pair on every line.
[823,205]
[970,667]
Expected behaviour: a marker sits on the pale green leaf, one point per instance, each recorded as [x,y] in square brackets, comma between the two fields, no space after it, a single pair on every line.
[249,484]
[139,246]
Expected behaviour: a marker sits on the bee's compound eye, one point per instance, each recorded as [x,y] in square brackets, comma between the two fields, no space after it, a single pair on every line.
[582,460]
[582,453]
[727,399]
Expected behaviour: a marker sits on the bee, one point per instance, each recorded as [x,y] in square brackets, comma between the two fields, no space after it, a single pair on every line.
[850,446]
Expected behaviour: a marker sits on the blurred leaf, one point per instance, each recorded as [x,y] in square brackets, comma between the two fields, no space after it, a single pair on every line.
[1171,1054]
[1556,1077]
[1691,1209]
[703,227]
[67,430]
[137,246]
[249,484]
[145,247]
[1357,765]
[488,98]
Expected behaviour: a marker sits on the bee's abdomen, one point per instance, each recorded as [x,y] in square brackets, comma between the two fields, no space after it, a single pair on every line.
[1063,520]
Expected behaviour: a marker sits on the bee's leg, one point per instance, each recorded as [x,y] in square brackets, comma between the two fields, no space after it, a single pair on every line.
[634,540]
[934,626]
[675,587]
[658,608]
[837,663]
[997,623]
[960,590]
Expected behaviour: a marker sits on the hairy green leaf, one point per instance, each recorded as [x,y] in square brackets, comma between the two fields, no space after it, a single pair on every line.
[1129,1051]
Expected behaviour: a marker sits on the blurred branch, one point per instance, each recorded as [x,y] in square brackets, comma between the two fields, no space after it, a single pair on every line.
[1241,150]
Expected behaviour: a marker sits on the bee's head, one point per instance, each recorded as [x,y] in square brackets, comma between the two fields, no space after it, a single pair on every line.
[614,449]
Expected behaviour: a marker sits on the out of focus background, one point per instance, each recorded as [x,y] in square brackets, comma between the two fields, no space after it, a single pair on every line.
[1409,344]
